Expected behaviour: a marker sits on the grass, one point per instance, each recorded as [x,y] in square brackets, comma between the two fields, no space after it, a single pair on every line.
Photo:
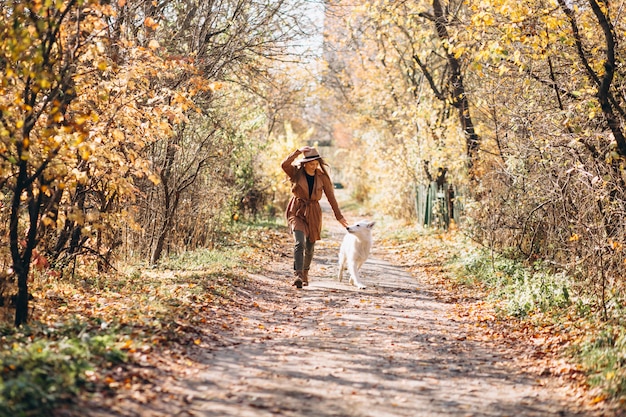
[84,328]
[603,355]
[522,289]
[537,295]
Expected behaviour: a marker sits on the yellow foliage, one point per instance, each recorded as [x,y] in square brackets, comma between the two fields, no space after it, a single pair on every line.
[153,44]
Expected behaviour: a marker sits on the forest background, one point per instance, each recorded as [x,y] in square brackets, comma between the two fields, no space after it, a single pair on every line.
[132,131]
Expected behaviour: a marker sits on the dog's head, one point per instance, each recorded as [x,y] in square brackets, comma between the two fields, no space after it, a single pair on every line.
[362,227]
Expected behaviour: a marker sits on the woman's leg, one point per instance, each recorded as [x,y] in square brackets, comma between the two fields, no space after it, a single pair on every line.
[298,256]
[300,243]
[309,249]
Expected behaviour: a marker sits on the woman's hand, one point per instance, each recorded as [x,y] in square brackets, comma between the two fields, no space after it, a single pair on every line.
[344,222]
[305,149]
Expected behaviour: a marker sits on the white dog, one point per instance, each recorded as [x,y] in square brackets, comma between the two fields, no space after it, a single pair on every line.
[355,249]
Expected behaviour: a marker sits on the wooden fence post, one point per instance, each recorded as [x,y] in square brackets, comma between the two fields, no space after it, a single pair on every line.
[437,205]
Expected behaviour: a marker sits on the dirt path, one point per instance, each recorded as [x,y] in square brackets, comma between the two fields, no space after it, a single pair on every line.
[332,350]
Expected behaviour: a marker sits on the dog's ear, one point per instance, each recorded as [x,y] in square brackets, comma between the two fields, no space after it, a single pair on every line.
[371,224]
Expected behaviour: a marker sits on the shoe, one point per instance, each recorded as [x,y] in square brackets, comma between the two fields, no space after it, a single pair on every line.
[298,282]
[305,277]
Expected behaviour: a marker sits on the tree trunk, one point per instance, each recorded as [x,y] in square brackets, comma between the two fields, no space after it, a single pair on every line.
[160,244]
[21,258]
[459,98]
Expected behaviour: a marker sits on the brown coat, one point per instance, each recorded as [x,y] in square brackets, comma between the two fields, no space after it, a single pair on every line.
[304,213]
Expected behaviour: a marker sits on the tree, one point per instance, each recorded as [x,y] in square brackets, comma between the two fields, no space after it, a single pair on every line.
[419,37]
[75,119]
[454,89]
[390,106]
[229,46]
[38,59]
[555,177]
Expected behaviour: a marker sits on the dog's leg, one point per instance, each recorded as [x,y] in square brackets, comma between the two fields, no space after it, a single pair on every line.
[354,275]
[351,271]
[341,264]
[359,285]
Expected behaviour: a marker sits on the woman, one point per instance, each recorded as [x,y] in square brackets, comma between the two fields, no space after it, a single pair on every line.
[309,179]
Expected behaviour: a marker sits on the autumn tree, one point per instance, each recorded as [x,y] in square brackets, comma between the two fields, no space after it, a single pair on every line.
[553,120]
[231,46]
[77,118]
[401,115]
[38,59]
[544,90]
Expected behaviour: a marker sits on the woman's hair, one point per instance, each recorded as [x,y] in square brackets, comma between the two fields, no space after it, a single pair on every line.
[323,166]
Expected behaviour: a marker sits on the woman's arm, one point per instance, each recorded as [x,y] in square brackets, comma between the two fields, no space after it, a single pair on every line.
[287,165]
[330,195]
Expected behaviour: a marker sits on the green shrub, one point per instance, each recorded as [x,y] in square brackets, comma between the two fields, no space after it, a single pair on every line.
[523,289]
[604,358]
[38,376]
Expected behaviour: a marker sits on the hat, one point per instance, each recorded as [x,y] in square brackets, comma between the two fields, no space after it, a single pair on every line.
[310,155]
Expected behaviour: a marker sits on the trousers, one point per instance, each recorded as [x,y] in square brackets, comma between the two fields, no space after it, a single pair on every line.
[303,250]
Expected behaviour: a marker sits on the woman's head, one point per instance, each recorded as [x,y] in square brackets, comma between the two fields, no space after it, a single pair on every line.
[311,166]
[312,161]
[310,155]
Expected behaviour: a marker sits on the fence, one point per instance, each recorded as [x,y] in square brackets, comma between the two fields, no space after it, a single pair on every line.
[436,204]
